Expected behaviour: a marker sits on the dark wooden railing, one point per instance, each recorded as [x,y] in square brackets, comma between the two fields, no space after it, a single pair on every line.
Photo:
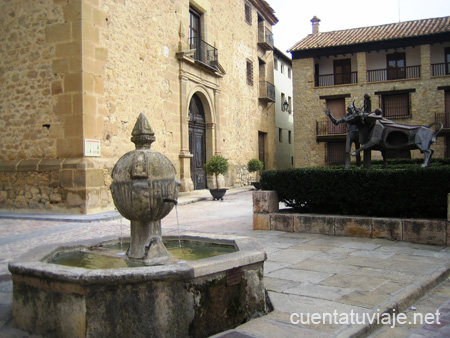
[440,69]
[376,75]
[336,79]
[266,91]
[204,52]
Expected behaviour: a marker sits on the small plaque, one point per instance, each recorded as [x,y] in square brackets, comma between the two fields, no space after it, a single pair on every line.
[92,147]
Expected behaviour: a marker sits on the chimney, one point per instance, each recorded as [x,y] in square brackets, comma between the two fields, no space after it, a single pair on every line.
[315,24]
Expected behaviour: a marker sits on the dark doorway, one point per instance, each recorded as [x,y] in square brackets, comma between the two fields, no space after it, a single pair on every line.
[197,142]
[262,148]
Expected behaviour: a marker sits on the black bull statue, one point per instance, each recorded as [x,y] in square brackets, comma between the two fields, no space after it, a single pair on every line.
[378,133]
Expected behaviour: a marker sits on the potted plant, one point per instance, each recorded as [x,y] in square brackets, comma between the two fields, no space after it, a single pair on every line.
[217,165]
[255,165]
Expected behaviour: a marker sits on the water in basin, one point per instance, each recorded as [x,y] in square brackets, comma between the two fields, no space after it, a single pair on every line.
[112,255]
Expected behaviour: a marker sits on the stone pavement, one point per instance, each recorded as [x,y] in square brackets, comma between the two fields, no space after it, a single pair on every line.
[312,280]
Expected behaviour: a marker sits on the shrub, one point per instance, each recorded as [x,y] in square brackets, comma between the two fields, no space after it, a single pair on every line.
[408,192]
[217,165]
[254,165]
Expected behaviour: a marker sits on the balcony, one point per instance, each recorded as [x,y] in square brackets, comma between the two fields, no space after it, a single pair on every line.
[266,91]
[394,73]
[440,69]
[265,37]
[204,54]
[327,131]
[445,120]
[336,79]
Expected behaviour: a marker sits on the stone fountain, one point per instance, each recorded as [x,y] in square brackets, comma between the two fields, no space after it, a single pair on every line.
[144,190]
[158,297]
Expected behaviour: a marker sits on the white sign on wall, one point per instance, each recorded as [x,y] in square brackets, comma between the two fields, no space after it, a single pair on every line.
[92,147]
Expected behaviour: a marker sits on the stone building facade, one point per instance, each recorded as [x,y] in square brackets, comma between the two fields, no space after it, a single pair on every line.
[284,118]
[403,66]
[75,75]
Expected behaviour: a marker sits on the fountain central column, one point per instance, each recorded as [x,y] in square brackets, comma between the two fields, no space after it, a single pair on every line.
[145,190]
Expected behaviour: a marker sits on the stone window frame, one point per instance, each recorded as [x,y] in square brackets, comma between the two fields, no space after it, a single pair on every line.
[249,72]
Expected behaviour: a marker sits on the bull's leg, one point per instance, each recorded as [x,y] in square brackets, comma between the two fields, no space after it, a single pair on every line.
[367,158]
[383,154]
[427,157]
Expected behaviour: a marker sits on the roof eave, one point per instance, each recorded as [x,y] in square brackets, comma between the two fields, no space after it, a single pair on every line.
[371,46]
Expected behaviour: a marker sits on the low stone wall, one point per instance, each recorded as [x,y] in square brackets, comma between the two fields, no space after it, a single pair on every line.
[78,186]
[266,216]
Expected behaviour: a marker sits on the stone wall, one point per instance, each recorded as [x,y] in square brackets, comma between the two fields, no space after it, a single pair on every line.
[267,216]
[85,69]
[51,186]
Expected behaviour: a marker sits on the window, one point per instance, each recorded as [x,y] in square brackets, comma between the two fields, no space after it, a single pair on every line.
[395,105]
[194,24]
[289,136]
[248,13]
[283,98]
[342,71]
[281,68]
[290,104]
[289,72]
[335,153]
[280,135]
[275,64]
[249,72]
[396,66]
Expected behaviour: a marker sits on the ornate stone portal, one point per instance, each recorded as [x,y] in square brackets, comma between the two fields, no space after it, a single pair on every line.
[145,190]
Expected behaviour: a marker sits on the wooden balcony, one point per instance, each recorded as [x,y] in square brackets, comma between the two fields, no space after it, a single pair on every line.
[440,69]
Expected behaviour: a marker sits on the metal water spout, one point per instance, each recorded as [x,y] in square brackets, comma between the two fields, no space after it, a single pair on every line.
[145,190]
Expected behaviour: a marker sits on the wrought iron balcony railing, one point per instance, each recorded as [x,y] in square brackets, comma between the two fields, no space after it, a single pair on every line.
[204,53]
[328,131]
[266,91]
[265,37]
[336,79]
[394,73]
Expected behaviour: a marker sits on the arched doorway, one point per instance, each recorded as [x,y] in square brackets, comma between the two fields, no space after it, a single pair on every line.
[197,142]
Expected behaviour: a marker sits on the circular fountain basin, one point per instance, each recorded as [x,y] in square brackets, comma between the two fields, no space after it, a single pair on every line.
[194,298]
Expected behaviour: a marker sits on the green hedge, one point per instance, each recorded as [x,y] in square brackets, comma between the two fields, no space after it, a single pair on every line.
[405,191]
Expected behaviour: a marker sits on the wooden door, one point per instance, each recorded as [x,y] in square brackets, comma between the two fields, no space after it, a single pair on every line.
[197,142]
[337,109]
[342,71]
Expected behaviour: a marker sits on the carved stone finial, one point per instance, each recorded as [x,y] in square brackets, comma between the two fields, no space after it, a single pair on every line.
[142,134]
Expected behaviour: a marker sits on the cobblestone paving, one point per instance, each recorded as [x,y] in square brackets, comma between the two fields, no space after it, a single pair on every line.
[304,273]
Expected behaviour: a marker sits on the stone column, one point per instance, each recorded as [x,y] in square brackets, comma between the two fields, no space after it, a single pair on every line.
[361,65]
[425,62]
[185,155]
